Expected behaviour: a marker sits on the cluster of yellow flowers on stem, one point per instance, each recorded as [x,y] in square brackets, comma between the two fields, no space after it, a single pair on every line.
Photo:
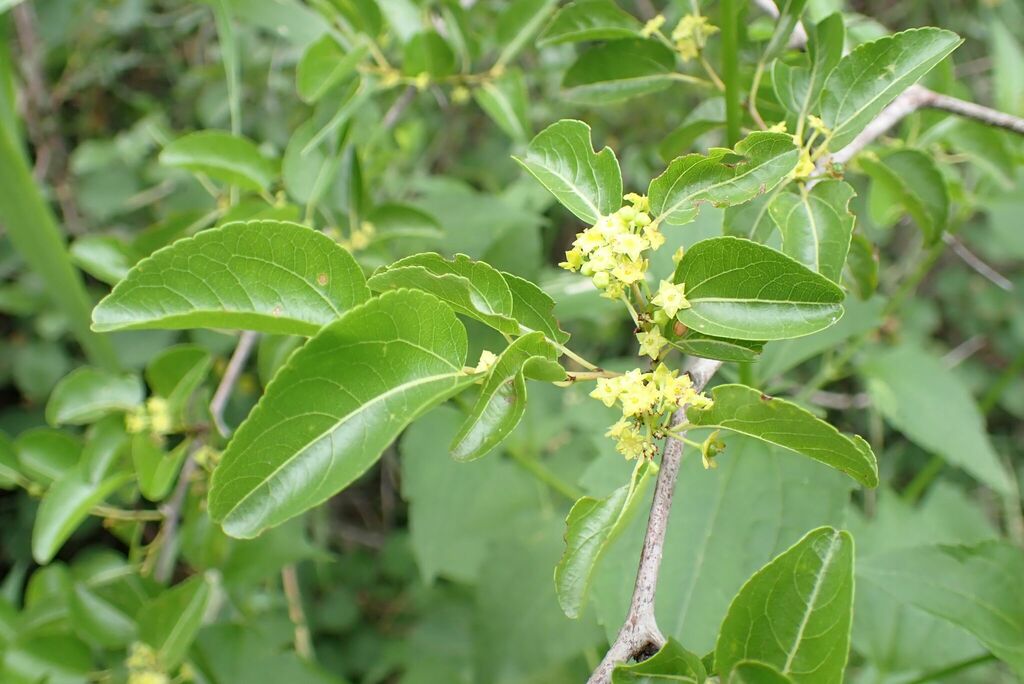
[143,666]
[154,417]
[648,401]
[611,251]
[691,34]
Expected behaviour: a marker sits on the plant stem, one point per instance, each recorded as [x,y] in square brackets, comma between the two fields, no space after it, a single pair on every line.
[293,595]
[545,475]
[924,477]
[122,514]
[944,672]
[731,68]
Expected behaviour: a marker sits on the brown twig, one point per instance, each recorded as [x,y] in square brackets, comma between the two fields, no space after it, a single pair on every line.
[41,120]
[976,263]
[236,365]
[640,636]
[293,595]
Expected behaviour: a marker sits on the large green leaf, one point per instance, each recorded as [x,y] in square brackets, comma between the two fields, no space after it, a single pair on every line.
[505,101]
[795,613]
[928,403]
[428,53]
[222,156]
[789,16]
[562,158]
[720,178]
[672,663]
[584,20]
[590,528]
[472,288]
[726,523]
[975,587]
[816,226]
[743,290]
[45,455]
[502,400]
[63,508]
[518,24]
[708,347]
[534,309]
[798,87]
[874,74]
[745,410]
[335,406]
[156,469]
[619,70]
[169,623]
[754,672]
[87,394]
[270,276]
[908,181]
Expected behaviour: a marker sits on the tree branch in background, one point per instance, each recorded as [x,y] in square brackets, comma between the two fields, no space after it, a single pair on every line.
[293,594]
[41,119]
[639,636]
[168,535]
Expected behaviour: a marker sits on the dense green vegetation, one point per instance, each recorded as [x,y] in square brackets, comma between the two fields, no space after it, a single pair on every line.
[481,341]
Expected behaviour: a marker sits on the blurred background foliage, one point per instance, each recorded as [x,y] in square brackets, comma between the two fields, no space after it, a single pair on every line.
[428,570]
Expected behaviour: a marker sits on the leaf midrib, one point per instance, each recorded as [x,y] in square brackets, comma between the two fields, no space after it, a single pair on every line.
[809,606]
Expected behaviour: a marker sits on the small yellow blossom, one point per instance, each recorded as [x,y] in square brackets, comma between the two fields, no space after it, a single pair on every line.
[607,391]
[630,271]
[639,202]
[618,428]
[487,359]
[817,124]
[677,256]
[631,444]
[148,677]
[780,127]
[711,447]
[160,421]
[804,167]
[671,298]
[640,399]
[573,259]
[651,342]
[589,240]
[654,236]
[691,34]
[460,94]
[422,81]
[137,421]
[653,26]
[630,244]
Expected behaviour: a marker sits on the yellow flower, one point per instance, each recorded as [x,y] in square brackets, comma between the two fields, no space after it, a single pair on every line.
[671,298]
[607,391]
[690,35]
[148,677]
[639,399]
[630,271]
[573,259]
[589,240]
[653,26]
[653,235]
[603,259]
[651,342]
[804,167]
[780,127]
[817,124]
[137,421]
[639,202]
[629,244]
[487,360]
[159,415]
[677,256]
[460,95]
[618,427]
[615,290]
[631,444]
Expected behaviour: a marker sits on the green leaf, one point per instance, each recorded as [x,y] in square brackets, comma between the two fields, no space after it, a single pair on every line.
[502,400]
[799,87]
[816,226]
[46,455]
[619,70]
[472,288]
[104,257]
[324,65]
[862,265]
[156,469]
[745,410]
[562,158]
[49,658]
[169,623]
[720,179]
[920,397]
[269,276]
[63,508]
[908,179]
[87,394]
[533,308]
[228,158]
[708,347]
[746,291]
[975,587]
[753,672]
[795,613]
[874,74]
[505,101]
[428,53]
[175,374]
[99,620]
[344,396]
[10,470]
[789,16]
[584,20]
[518,24]
[753,219]
[672,663]
[590,528]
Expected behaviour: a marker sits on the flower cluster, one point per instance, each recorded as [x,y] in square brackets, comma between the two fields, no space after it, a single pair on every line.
[611,251]
[143,666]
[691,34]
[647,399]
[154,417]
